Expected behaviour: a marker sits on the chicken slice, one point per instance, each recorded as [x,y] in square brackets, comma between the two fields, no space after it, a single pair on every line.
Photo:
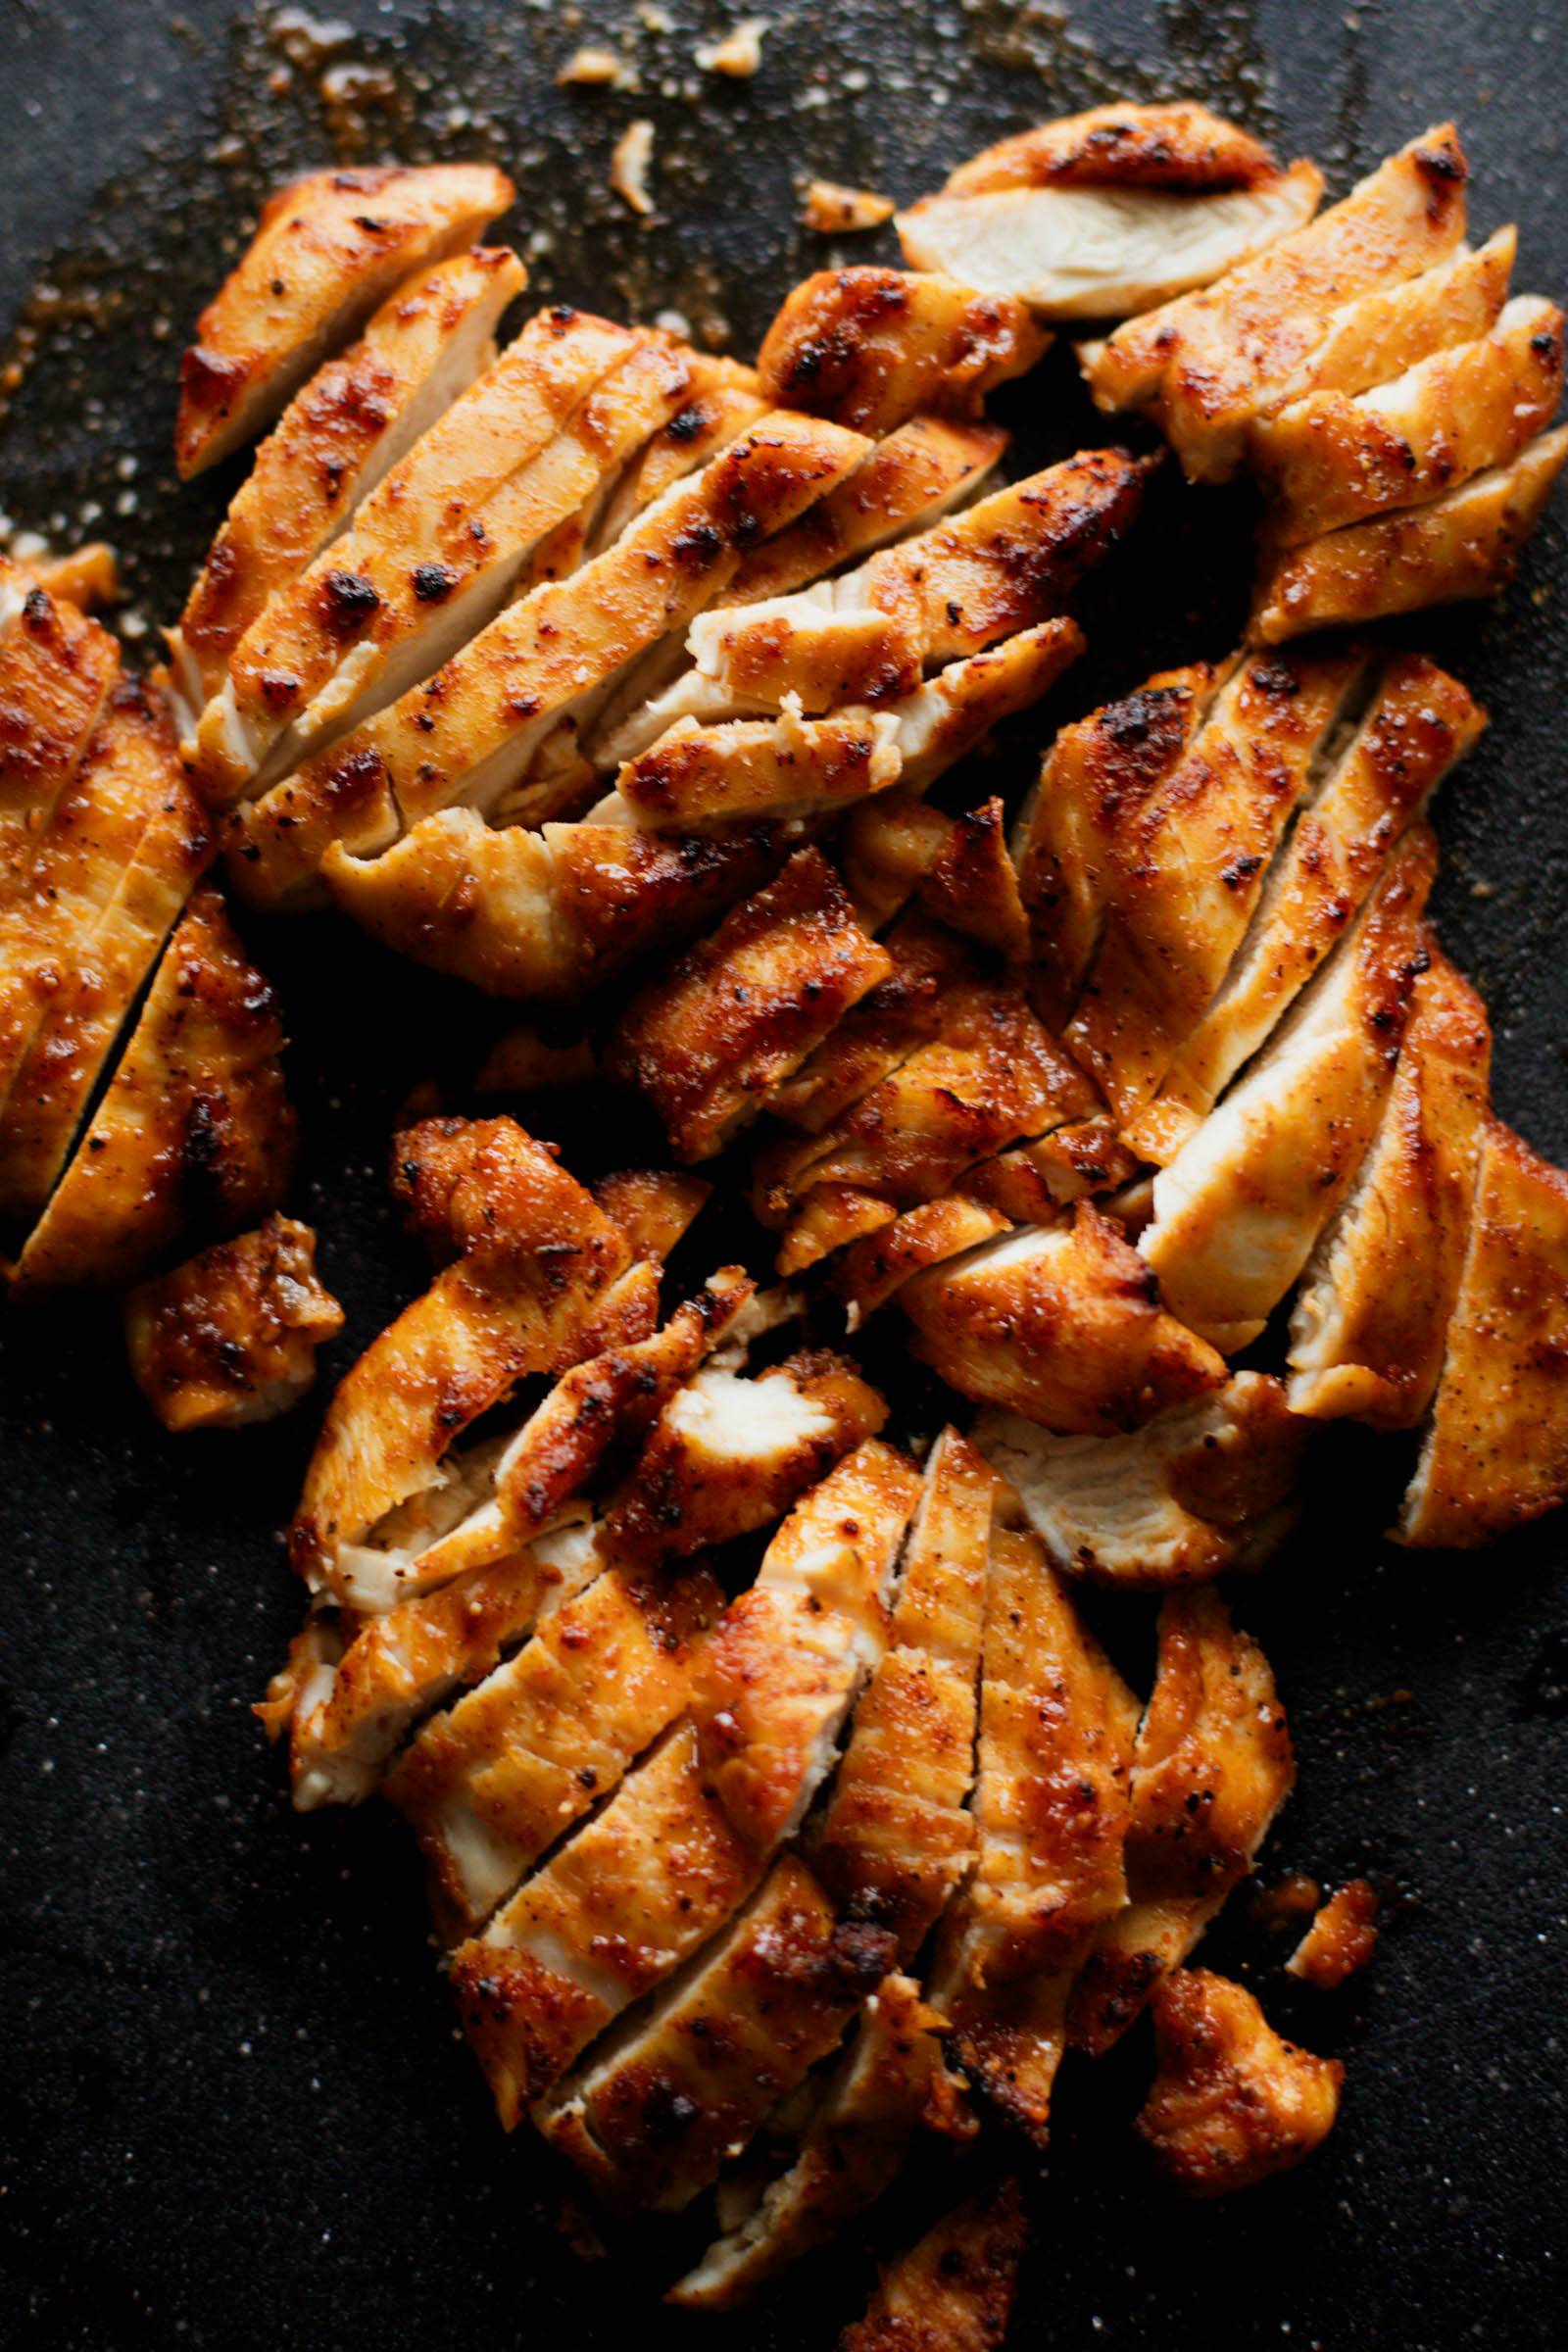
[544,914]
[1418,723]
[1341,1939]
[56,670]
[882,1256]
[695,777]
[131,897]
[1200,1489]
[534,1263]
[722,401]
[1211,1768]
[491,1783]
[1187,865]
[1463,545]
[194,1138]
[86,575]
[349,424]
[1238,1209]
[1180,146]
[1061,1323]
[954,2291]
[655,1207]
[1496,1452]
[1213,362]
[329,248]
[1375,337]
[901,1013]
[1230,2102]
[871,348]
[1370,1317]
[230,1337]
[741,1011]
[1336,458]
[1075,250]
[435,548]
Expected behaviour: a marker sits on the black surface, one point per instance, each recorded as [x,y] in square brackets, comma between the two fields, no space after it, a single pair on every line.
[238,2114]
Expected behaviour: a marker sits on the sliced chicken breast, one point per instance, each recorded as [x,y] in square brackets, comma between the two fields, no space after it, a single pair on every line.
[1178,146]
[871,348]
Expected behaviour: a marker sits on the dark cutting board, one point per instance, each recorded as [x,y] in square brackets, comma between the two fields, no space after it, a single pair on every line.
[237,2112]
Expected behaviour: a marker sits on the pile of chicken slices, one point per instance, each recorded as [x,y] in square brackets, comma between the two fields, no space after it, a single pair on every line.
[778,1806]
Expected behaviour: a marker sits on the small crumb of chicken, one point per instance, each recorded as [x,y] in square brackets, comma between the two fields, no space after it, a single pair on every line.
[629,160]
[739,54]
[1341,1939]
[230,1335]
[1230,2102]
[835,211]
[594,67]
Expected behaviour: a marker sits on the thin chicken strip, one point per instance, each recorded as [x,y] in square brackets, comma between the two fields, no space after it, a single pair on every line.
[870,348]
[1375,337]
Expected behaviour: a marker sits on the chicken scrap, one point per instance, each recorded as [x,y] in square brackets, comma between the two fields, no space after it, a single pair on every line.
[230,1337]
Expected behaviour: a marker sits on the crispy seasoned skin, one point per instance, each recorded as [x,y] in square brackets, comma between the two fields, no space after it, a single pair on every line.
[195,1135]
[230,1337]
[1179,146]
[743,1010]
[531,1261]
[1184,865]
[1496,1452]
[329,248]
[342,431]
[1200,1489]
[721,401]
[87,575]
[1335,458]
[1075,249]
[1230,2102]
[1341,1939]
[1061,1324]
[1211,1768]
[1213,362]
[1463,545]
[871,347]
[954,2291]
[1418,723]
[1371,1315]
[1238,1209]
[1375,337]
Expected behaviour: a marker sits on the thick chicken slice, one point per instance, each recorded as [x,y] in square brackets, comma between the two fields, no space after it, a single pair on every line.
[1495,1452]
[194,1138]
[885,1252]
[230,1337]
[954,2291]
[492,1782]
[329,248]
[1211,1768]
[742,1011]
[1079,250]
[870,348]
[903,1013]
[722,401]
[1370,1318]
[1238,1209]
[1335,458]
[1200,1489]
[1061,1324]
[534,1266]
[1187,865]
[1213,362]
[341,432]
[1463,545]
[1419,721]
[56,670]
[1230,2102]
[1375,337]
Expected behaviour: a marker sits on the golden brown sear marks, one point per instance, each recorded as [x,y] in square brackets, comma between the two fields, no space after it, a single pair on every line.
[954,2291]
[869,347]
[1231,2102]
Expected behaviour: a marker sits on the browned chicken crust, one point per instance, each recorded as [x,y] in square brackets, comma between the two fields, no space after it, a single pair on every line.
[1232,2101]
[954,2291]
[230,1335]
[1178,145]
[869,347]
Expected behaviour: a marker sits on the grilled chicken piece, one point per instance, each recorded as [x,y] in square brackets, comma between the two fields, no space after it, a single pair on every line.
[726,1454]
[1211,1768]
[1004,564]
[87,576]
[435,548]
[1056,1728]
[1200,1489]
[329,248]
[954,2291]
[544,914]
[1072,250]
[1418,723]
[1335,458]
[1094,782]
[1187,865]
[342,431]
[1238,1209]
[1461,546]
[1213,362]
[126,888]
[230,1337]
[881,1257]
[1370,1318]
[1032,1181]
[743,1010]
[1059,1323]
[1342,1938]
[1495,1452]
[194,1138]
[1230,2102]
[1375,337]
[722,401]
[489,1785]
[1180,147]
[870,348]
[655,1207]
[533,1264]
[56,670]
[883,1029]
